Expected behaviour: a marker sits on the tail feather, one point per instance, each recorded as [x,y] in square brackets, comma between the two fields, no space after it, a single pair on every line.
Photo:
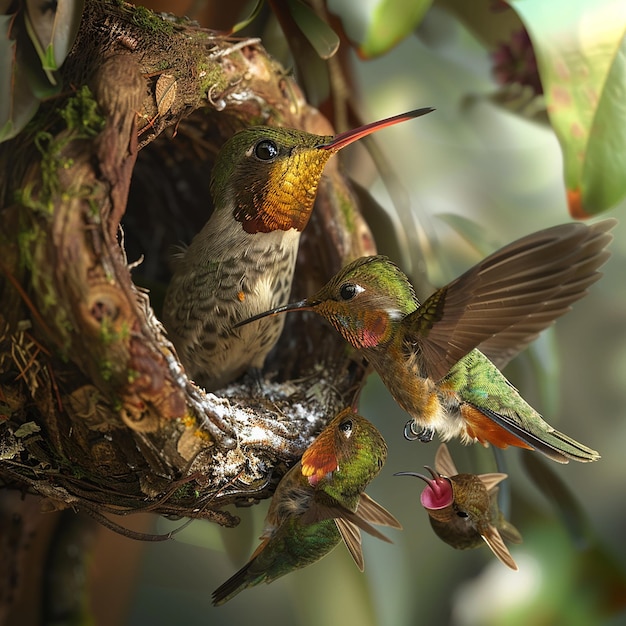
[550,442]
[237,582]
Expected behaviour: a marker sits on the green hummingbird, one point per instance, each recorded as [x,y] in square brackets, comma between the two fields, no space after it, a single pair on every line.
[463,508]
[319,502]
[440,360]
[263,187]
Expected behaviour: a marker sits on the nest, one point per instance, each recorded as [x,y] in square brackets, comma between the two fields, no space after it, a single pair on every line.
[96,411]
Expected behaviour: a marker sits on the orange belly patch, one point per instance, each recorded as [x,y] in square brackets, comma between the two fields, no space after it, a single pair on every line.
[481,427]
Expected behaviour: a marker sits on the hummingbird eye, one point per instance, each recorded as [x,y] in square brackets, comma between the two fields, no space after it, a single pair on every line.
[349,290]
[462,514]
[346,428]
[266,150]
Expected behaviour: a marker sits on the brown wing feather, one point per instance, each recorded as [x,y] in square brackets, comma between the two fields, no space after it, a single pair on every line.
[371,511]
[494,541]
[503,302]
[333,510]
[444,463]
[351,536]
[491,480]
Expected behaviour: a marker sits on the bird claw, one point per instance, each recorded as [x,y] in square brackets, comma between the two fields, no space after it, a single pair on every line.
[255,376]
[425,435]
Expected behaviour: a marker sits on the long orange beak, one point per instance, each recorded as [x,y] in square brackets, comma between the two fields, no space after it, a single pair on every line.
[343,139]
[303,305]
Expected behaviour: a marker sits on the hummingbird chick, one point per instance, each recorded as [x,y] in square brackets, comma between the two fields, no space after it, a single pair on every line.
[319,502]
[263,187]
[441,360]
[463,508]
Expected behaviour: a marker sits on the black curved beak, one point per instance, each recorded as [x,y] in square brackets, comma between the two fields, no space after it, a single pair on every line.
[302,305]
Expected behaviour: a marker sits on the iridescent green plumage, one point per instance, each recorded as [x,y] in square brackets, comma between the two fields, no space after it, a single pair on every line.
[440,360]
[319,502]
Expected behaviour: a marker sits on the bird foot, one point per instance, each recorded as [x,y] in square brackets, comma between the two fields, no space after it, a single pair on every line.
[411,432]
[256,378]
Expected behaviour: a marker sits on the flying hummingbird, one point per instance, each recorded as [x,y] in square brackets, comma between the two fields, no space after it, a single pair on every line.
[428,355]
[263,187]
[463,508]
[319,502]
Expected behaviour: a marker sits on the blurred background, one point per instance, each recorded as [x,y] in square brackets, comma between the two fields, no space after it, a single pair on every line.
[482,170]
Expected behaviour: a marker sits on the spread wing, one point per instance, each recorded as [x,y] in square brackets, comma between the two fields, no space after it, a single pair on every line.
[506,300]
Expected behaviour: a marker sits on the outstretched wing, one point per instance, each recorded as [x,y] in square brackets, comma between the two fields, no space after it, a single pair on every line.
[503,302]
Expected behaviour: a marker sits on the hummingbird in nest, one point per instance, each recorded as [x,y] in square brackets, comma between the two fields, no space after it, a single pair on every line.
[318,503]
[263,187]
[463,508]
[440,360]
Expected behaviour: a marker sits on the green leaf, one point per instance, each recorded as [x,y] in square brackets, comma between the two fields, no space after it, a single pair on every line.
[52,28]
[481,239]
[581,55]
[17,102]
[565,502]
[392,21]
[248,20]
[320,35]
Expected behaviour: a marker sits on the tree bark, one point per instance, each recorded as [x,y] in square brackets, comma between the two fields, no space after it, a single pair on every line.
[96,411]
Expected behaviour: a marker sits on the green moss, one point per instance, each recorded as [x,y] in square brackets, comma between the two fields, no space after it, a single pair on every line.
[185,492]
[83,120]
[163,64]
[211,78]
[25,240]
[151,22]
[82,115]
[110,335]
[106,370]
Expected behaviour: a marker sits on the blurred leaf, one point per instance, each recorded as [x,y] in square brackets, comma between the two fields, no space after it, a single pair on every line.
[17,102]
[248,20]
[569,509]
[389,236]
[319,34]
[28,58]
[52,27]
[544,358]
[581,54]
[480,238]
[392,21]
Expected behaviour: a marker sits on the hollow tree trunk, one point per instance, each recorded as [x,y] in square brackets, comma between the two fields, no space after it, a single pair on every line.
[96,411]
